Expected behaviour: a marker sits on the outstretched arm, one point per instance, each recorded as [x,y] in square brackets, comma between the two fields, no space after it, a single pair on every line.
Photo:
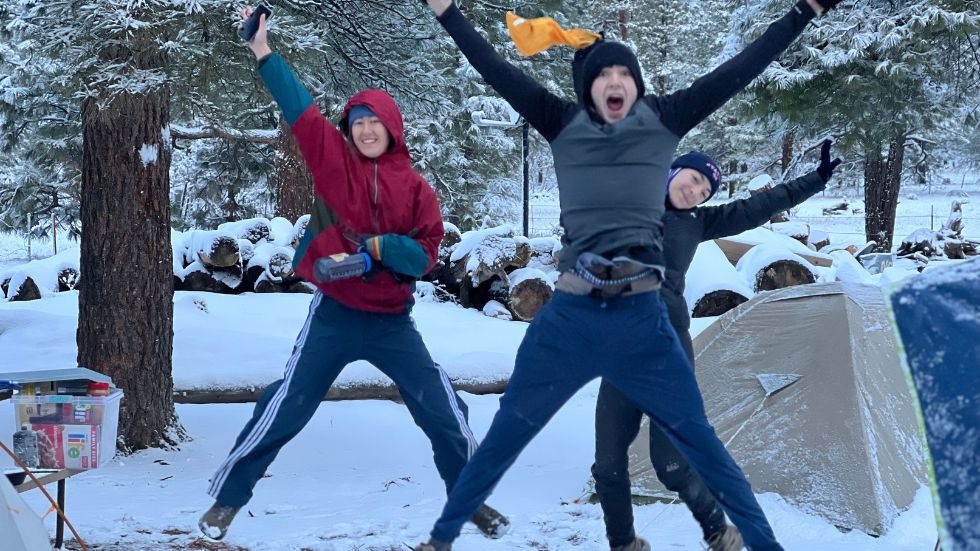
[542,109]
[739,216]
[319,141]
[684,109]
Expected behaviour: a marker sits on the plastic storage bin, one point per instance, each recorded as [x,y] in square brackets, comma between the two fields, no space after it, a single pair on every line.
[74,432]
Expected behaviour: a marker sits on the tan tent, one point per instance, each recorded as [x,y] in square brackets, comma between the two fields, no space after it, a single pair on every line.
[21,528]
[804,386]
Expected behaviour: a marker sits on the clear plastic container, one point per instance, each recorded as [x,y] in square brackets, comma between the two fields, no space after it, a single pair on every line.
[74,432]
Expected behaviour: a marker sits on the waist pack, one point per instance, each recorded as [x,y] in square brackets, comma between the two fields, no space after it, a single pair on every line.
[601,277]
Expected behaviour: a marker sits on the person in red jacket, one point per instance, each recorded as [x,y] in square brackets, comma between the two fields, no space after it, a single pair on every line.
[367,198]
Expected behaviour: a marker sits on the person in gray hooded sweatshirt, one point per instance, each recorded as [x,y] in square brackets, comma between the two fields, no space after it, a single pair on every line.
[694,178]
[606,319]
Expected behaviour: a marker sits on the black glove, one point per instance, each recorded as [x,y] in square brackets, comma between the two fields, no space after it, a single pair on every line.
[826,168]
[828,5]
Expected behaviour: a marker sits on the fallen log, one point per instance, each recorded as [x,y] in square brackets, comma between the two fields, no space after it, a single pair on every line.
[529,290]
[354,392]
[27,290]
[68,279]
[769,267]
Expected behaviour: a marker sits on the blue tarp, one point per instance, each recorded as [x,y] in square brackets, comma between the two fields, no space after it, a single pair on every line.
[937,315]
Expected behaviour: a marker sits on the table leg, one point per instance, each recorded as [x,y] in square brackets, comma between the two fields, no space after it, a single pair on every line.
[59,534]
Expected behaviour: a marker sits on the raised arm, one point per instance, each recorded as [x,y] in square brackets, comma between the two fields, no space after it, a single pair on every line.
[684,109]
[743,215]
[321,144]
[542,109]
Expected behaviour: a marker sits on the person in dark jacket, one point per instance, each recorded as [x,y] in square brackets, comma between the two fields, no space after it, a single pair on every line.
[367,197]
[612,153]
[693,179]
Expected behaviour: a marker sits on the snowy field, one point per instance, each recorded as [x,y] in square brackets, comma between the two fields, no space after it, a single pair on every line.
[335,489]
[917,208]
[332,488]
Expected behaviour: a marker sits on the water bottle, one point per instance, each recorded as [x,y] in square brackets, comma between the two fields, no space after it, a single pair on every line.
[341,266]
[25,447]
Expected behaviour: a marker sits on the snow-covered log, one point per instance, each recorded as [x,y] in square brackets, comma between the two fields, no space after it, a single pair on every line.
[25,290]
[40,278]
[488,253]
[68,279]
[253,229]
[530,288]
[799,231]
[198,277]
[769,266]
[544,253]
[818,239]
[839,208]
[713,285]
[213,248]
[299,228]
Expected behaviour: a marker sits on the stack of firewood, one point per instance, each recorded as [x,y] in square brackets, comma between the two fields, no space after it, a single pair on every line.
[494,270]
[250,255]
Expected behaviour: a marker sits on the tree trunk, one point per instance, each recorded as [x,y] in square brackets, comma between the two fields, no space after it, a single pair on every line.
[789,140]
[882,179]
[125,308]
[292,180]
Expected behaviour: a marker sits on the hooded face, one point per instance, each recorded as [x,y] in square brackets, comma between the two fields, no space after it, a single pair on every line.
[688,189]
[370,136]
[614,92]
[607,78]
[381,134]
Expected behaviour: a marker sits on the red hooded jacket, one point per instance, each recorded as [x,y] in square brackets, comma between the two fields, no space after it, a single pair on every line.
[356,197]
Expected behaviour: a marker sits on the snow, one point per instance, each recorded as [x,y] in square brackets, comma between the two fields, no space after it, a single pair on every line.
[761,181]
[243,341]
[253,229]
[44,272]
[760,256]
[523,274]
[332,489]
[148,154]
[711,271]
[472,239]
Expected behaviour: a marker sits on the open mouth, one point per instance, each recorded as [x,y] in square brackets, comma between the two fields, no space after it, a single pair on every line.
[615,103]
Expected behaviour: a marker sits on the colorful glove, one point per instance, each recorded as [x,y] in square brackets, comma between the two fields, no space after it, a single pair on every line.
[374,246]
[826,168]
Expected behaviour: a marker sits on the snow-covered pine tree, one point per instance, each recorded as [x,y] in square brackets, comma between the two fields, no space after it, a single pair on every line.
[878,75]
[107,60]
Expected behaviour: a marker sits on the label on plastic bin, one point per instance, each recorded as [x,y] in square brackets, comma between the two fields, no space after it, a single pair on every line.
[69,446]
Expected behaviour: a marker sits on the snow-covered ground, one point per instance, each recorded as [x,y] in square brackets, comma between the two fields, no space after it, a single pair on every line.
[917,208]
[360,477]
[333,488]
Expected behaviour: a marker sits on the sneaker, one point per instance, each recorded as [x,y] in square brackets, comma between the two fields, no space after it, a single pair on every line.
[728,540]
[638,544]
[214,523]
[490,522]
[434,545]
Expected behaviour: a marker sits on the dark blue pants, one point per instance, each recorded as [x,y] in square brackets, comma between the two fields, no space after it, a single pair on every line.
[617,422]
[333,337]
[630,343]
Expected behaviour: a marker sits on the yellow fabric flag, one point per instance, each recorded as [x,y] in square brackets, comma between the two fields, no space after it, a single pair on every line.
[537,35]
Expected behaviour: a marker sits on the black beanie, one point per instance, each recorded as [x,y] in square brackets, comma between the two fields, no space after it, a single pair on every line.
[703,164]
[604,54]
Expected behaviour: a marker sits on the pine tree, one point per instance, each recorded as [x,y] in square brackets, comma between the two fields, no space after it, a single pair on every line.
[875,75]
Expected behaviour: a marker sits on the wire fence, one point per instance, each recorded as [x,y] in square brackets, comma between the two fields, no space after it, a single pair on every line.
[544,221]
